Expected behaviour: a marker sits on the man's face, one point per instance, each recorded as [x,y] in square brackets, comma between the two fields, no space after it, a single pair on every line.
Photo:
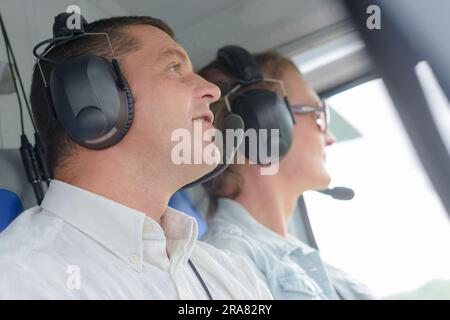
[168,96]
[304,164]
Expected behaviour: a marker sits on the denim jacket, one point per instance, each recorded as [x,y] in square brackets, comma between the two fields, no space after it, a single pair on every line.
[290,268]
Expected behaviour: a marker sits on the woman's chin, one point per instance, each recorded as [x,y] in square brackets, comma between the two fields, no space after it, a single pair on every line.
[323,181]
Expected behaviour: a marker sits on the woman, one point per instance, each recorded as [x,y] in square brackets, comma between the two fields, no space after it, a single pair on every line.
[250,211]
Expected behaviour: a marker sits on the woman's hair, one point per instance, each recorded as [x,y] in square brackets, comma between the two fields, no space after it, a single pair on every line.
[230,183]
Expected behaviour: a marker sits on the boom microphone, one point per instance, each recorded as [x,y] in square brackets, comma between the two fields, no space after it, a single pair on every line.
[233,122]
[339,193]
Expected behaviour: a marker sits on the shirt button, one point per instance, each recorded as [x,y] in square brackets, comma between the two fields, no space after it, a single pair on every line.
[134,259]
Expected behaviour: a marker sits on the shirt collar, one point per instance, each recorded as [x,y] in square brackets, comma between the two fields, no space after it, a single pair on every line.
[121,229]
[232,212]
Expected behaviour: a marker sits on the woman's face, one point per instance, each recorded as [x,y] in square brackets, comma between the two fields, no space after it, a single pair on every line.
[303,167]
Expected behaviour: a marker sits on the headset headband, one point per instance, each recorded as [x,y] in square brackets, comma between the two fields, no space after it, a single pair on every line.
[241,64]
[60,25]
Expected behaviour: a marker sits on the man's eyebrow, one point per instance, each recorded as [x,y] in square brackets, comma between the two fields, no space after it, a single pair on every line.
[170,52]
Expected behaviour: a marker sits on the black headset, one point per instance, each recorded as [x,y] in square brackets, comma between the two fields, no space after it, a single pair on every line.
[259,108]
[88,94]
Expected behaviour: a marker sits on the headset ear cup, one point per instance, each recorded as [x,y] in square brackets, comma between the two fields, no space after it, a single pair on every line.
[100,116]
[264,109]
[129,107]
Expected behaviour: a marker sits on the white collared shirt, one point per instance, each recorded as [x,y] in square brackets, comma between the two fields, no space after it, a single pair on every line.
[78,245]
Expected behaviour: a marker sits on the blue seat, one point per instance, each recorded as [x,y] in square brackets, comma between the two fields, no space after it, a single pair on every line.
[11,207]
[16,193]
[181,201]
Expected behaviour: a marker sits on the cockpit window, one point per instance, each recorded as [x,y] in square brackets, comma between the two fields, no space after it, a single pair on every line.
[394,235]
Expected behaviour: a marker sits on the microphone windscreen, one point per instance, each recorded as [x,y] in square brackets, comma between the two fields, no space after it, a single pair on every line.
[339,193]
[343,193]
[233,121]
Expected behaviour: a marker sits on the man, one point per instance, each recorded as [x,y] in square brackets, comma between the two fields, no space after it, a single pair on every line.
[103,230]
[251,210]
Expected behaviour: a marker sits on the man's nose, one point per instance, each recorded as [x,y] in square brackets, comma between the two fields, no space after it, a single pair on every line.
[329,138]
[208,90]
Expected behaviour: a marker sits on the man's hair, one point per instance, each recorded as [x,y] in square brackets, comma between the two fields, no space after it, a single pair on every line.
[59,147]
[229,184]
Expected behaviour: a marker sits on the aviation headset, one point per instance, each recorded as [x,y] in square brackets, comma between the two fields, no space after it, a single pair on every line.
[259,108]
[88,94]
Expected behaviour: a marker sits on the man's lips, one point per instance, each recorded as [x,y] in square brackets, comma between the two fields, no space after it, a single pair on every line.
[207,116]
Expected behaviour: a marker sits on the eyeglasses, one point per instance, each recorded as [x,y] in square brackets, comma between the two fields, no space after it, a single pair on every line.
[322,113]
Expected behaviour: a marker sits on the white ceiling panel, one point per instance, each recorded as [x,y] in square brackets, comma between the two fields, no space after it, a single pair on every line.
[202,26]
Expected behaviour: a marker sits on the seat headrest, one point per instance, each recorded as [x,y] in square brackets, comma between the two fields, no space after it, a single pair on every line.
[10,207]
